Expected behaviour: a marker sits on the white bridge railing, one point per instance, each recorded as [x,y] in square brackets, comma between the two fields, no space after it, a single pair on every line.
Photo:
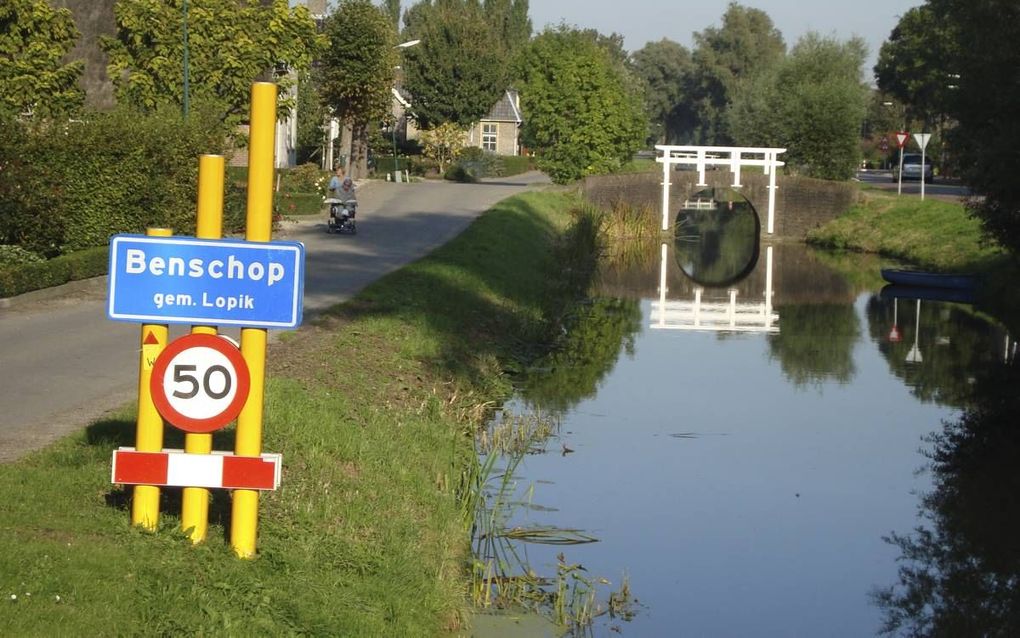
[734,157]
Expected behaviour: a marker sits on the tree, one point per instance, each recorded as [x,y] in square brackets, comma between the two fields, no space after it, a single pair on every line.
[443,143]
[985,74]
[746,44]
[392,9]
[913,65]
[581,116]
[509,21]
[458,71]
[231,43]
[34,41]
[357,71]
[664,67]
[813,103]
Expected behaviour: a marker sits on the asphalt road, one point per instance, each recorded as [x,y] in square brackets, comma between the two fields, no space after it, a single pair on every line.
[63,364]
[941,189]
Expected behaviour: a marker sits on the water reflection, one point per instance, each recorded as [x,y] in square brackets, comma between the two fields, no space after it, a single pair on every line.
[960,571]
[585,355]
[717,237]
[714,481]
[934,347]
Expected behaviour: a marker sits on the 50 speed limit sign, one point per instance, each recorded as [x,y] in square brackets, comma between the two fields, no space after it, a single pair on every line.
[200,383]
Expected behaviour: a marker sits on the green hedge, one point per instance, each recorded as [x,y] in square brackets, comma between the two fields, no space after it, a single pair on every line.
[15,280]
[68,186]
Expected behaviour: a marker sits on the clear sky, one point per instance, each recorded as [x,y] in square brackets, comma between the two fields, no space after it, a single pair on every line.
[643,21]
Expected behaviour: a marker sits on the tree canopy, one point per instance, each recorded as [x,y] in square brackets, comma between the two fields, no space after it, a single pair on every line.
[746,44]
[231,43]
[582,116]
[34,42]
[913,65]
[812,103]
[357,70]
[985,74]
[459,69]
[664,68]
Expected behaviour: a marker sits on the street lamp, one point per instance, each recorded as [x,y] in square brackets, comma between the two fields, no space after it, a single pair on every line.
[400,100]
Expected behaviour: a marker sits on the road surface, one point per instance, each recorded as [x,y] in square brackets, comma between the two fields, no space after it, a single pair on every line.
[63,364]
[938,189]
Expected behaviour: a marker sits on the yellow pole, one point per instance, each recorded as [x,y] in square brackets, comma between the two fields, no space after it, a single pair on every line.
[259,227]
[149,426]
[195,500]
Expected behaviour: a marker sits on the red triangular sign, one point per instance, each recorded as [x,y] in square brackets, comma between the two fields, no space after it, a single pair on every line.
[150,339]
[901,139]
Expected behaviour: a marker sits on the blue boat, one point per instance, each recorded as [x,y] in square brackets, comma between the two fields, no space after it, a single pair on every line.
[922,279]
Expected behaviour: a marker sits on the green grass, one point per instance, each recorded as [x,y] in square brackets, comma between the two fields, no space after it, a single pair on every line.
[931,234]
[289,204]
[372,408]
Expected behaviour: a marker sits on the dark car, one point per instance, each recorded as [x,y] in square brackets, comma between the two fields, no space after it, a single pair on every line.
[912,168]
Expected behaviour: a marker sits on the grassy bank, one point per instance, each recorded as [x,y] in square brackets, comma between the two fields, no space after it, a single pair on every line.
[371,408]
[932,234]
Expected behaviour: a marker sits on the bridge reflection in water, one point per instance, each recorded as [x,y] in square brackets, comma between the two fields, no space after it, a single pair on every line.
[716,246]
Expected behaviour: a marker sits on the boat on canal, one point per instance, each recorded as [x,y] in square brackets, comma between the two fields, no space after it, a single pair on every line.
[924,279]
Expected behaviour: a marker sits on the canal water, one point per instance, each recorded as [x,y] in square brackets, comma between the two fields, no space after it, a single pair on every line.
[772,447]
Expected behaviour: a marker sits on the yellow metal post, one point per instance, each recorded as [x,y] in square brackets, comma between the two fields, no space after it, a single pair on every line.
[149,425]
[195,500]
[259,227]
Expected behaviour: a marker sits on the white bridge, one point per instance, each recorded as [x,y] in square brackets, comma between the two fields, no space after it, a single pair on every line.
[699,315]
[734,157]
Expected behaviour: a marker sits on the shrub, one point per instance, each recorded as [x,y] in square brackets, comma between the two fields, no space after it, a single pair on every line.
[16,255]
[15,280]
[69,186]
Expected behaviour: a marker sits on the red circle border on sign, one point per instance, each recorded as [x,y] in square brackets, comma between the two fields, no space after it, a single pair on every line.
[182,421]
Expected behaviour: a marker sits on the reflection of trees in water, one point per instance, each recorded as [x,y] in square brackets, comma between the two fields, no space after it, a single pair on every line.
[952,342]
[586,354]
[961,573]
[816,343]
[718,245]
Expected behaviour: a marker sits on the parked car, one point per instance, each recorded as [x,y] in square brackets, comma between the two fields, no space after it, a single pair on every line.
[912,168]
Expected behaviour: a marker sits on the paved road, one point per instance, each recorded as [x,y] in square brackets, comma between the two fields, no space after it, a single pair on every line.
[64,364]
[939,189]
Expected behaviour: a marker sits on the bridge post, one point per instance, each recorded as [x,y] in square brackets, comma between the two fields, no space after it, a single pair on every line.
[665,188]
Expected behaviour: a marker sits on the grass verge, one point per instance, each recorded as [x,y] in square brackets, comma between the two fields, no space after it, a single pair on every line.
[372,408]
[932,234]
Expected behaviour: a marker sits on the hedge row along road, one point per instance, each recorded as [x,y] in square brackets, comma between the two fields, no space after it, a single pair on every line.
[64,363]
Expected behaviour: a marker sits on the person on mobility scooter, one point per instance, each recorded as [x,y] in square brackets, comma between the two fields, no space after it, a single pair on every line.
[343,205]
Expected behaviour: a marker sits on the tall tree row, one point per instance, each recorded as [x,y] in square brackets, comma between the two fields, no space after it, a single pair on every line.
[356,71]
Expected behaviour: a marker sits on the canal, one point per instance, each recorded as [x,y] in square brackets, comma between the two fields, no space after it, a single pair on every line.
[760,442]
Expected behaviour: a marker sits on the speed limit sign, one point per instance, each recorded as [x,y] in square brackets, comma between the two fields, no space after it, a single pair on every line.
[200,383]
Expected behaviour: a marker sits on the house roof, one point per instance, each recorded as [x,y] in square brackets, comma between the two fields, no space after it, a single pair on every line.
[505,110]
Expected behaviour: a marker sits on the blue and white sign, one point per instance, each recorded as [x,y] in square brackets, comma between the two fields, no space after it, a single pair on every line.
[206,281]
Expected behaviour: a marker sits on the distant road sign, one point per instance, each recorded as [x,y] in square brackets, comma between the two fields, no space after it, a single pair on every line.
[206,282]
[200,382]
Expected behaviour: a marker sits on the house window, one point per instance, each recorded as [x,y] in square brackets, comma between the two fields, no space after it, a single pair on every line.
[489,137]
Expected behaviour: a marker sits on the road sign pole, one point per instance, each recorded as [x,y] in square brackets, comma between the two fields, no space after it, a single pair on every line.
[899,175]
[259,228]
[195,500]
[149,425]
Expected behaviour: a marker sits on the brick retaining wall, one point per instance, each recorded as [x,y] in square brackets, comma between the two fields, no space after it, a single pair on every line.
[802,203]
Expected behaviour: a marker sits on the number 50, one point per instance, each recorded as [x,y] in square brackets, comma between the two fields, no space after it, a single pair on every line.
[182,374]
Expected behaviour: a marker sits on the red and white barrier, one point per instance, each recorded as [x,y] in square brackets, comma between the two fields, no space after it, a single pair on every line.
[175,468]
